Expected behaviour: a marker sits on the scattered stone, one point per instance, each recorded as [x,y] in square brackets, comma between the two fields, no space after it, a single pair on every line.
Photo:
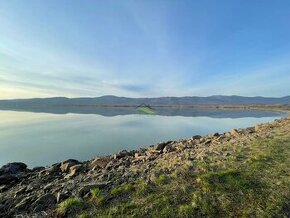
[121,154]
[168,148]
[51,170]
[140,158]
[24,203]
[38,169]
[8,179]
[202,140]
[45,201]
[75,169]
[258,128]
[100,162]
[138,155]
[20,192]
[4,188]
[88,187]
[250,130]
[65,166]
[48,186]
[196,137]
[207,142]
[214,135]
[234,132]
[161,146]
[60,197]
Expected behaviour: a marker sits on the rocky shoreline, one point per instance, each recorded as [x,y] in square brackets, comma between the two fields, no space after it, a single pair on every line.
[37,192]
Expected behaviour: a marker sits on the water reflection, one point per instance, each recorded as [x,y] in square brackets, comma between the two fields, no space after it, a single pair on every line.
[43,139]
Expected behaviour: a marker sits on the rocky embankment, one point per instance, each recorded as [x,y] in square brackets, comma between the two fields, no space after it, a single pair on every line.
[38,191]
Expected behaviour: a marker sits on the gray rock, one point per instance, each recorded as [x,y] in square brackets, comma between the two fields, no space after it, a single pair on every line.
[121,154]
[65,166]
[75,169]
[60,197]
[8,179]
[250,130]
[4,188]
[44,202]
[234,132]
[196,137]
[161,146]
[168,148]
[100,162]
[87,188]
[207,142]
[20,192]
[216,134]
[24,203]
[39,208]
[13,168]
[48,186]
[38,169]
[52,170]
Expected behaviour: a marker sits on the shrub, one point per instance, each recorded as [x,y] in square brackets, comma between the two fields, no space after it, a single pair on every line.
[97,196]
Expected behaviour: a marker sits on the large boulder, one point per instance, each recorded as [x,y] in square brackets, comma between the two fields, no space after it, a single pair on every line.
[13,168]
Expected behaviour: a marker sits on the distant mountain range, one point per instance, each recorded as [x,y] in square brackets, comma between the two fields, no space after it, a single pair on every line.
[110,100]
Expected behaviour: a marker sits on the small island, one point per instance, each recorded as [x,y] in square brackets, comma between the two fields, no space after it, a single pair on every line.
[146,109]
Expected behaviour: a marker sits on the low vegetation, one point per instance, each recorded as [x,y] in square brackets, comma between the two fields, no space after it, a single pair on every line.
[124,188]
[71,206]
[97,196]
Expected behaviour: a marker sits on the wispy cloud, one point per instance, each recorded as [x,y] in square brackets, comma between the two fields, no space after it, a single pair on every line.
[140,49]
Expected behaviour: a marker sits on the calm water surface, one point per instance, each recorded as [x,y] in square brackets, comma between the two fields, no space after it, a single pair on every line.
[40,139]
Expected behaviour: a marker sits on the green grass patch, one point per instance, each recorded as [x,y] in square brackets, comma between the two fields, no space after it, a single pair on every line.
[185,211]
[143,188]
[124,188]
[71,205]
[97,196]
[161,180]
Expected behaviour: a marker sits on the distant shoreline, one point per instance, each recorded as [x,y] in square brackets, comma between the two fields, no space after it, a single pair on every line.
[132,109]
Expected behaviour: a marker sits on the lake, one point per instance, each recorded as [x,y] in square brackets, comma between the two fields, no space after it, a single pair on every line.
[41,139]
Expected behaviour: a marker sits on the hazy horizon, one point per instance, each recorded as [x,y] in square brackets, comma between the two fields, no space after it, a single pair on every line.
[144,97]
[144,48]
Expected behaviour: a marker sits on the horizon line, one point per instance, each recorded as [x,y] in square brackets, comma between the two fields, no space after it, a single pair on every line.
[188,96]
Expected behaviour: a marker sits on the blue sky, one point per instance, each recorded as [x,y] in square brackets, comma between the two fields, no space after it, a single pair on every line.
[144,48]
